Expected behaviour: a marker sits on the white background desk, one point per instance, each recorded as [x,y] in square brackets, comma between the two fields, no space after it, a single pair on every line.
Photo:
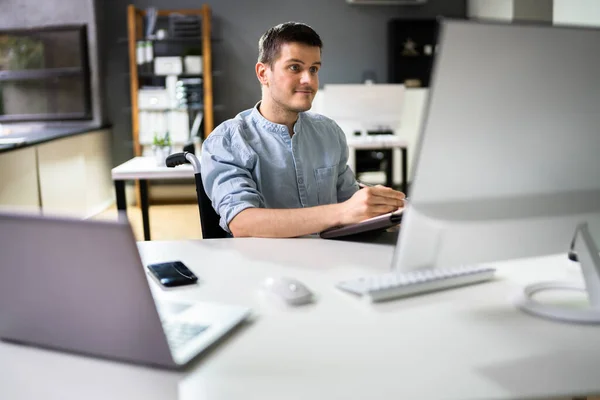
[143,169]
[377,142]
[468,343]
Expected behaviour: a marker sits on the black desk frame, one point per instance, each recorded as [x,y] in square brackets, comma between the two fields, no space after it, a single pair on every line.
[122,203]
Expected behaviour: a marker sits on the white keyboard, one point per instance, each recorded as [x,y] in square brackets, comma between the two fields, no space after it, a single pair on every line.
[393,285]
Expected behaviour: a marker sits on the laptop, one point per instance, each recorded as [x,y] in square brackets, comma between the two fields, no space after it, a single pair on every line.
[80,286]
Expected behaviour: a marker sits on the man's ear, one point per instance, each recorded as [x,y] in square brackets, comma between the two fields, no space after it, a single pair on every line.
[261,73]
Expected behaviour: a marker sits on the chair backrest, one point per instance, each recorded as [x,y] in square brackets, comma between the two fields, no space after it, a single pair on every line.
[209,219]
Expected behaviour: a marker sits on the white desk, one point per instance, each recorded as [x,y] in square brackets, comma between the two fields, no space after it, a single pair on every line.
[142,169]
[377,142]
[468,343]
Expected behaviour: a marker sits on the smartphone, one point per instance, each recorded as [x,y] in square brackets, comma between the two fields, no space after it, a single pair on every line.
[172,273]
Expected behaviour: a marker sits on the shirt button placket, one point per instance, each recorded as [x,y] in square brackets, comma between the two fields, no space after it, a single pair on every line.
[300,177]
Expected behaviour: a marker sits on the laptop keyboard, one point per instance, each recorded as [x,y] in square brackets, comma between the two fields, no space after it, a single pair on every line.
[179,333]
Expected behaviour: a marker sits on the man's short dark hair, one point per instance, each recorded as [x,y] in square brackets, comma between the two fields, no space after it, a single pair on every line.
[270,43]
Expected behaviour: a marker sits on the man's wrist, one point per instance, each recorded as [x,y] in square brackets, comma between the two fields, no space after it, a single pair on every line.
[335,214]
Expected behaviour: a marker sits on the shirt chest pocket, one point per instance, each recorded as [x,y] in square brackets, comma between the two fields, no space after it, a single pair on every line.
[326,179]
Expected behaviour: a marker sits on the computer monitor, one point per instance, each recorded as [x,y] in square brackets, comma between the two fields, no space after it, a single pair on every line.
[363,107]
[508,161]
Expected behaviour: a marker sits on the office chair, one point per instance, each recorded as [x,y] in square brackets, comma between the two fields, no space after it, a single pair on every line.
[209,219]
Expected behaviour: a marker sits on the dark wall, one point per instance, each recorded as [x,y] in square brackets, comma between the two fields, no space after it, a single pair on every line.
[16,14]
[354,42]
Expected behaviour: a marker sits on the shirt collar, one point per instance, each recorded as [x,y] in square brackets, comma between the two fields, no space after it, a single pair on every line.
[272,126]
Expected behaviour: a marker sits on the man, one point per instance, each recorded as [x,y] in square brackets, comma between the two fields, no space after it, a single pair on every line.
[277,170]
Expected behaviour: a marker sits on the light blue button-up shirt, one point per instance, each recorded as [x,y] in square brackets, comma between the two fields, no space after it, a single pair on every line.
[249,161]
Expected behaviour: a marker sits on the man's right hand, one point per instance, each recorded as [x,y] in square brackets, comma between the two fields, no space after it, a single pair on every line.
[370,202]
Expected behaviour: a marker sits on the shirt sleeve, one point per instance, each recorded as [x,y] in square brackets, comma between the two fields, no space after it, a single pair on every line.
[227,179]
[346,181]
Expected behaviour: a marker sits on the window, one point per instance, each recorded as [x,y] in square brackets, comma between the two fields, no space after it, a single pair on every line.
[44,74]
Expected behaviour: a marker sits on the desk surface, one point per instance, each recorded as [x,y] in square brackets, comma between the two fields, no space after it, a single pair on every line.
[19,136]
[376,142]
[468,343]
[146,168]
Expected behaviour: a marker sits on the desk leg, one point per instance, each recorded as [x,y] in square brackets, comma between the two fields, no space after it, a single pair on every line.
[389,169]
[120,192]
[404,170]
[144,201]
[121,200]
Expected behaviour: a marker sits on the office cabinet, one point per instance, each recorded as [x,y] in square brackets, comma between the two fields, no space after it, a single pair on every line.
[68,176]
[19,179]
[74,174]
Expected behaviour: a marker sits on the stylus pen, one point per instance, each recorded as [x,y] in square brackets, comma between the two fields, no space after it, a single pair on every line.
[364,185]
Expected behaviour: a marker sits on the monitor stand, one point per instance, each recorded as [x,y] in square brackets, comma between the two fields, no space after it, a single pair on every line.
[589,259]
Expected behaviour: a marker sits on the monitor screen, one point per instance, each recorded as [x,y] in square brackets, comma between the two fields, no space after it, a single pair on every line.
[508,162]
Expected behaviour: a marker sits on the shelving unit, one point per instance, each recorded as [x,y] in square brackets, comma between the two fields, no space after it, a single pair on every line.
[135,25]
[412,44]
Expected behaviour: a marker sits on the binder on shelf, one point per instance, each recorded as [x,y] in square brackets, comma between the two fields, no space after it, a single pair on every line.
[184,26]
[195,131]
[178,126]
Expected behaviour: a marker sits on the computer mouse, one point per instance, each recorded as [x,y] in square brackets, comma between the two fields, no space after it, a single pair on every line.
[291,290]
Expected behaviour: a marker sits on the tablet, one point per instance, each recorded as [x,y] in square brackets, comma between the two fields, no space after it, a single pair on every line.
[380,222]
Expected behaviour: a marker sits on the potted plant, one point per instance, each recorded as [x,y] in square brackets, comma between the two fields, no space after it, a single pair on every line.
[161,147]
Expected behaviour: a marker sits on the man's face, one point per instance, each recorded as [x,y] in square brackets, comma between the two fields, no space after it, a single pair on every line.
[294,80]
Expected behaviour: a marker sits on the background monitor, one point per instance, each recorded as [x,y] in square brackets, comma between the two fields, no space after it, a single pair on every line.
[508,161]
[363,107]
